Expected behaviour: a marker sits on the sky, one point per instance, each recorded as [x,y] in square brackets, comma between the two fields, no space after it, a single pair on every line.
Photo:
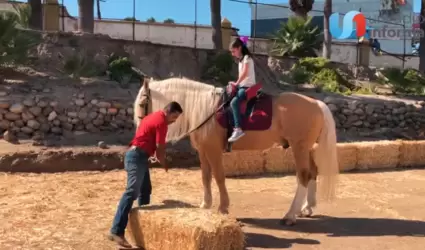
[181,11]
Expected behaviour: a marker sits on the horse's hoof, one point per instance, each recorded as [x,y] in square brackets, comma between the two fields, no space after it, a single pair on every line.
[223,211]
[287,222]
[306,212]
[205,205]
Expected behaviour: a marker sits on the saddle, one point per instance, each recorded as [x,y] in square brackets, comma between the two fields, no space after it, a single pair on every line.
[256,110]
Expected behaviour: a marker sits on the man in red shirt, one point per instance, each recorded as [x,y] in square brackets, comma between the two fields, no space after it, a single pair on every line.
[149,140]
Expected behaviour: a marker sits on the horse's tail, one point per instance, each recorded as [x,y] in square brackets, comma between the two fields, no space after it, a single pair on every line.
[325,155]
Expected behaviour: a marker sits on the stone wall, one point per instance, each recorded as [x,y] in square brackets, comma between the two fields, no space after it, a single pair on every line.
[58,107]
[378,117]
[61,111]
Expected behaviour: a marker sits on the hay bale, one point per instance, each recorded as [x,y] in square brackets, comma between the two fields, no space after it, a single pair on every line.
[243,162]
[412,153]
[184,229]
[378,154]
[279,160]
[347,156]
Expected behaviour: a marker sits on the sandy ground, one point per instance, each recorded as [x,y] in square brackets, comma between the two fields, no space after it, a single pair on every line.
[74,210]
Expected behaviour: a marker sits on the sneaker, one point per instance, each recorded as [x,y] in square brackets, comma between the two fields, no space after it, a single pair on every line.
[120,240]
[237,133]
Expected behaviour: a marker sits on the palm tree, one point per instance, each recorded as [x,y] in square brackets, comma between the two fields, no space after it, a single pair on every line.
[215,6]
[422,40]
[301,7]
[36,18]
[327,38]
[86,16]
[297,37]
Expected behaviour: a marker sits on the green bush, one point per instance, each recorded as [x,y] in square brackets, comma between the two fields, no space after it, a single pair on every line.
[15,43]
[300,75]
[319,72]
[78,65]
[327,80]
[407,81]
[313,64]
[119,69]
[219,68]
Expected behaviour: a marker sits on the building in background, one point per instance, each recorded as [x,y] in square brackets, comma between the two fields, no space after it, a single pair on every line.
[266,20]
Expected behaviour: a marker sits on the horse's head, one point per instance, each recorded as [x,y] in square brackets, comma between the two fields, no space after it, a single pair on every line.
[145,100]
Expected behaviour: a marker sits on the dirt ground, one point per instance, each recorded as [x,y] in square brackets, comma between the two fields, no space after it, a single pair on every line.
[74,210]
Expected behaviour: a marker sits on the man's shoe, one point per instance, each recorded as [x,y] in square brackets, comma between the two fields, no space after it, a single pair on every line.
[120,240]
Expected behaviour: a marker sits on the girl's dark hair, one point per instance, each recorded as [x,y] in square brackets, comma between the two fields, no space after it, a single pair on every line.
[237,42]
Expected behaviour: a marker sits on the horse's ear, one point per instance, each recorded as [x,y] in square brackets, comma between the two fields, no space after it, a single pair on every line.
[146,83]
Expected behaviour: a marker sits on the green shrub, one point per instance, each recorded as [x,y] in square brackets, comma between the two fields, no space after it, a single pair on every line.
[119,69]
[318,71]
[408,81]
[313,64]
[300,75]
[15,43]
[78,65]
[219,68]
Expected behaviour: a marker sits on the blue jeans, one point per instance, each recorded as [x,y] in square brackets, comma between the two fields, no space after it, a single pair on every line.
[138,187]
[235,105]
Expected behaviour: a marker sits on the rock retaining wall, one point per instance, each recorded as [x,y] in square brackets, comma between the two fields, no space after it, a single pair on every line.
[35,115]
[367,115]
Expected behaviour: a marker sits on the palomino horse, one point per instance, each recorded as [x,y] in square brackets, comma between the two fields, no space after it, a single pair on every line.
[307,124]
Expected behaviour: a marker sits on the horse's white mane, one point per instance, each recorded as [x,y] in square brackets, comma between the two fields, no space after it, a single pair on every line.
[197,99]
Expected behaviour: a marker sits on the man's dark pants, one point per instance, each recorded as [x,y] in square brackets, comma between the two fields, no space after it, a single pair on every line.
[138,187]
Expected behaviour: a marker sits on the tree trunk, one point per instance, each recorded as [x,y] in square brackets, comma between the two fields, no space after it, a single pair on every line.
[86,16]
[36,18]
[422,40]
[216,23]
[327,41]
[99,14]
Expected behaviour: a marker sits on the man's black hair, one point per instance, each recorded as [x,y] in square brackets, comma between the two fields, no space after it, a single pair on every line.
[173,107]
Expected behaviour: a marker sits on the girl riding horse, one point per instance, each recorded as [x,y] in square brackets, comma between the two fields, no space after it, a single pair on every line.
[245,80]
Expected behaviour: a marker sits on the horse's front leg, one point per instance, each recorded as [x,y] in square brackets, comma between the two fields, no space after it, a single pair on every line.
[206,181]
[214,158]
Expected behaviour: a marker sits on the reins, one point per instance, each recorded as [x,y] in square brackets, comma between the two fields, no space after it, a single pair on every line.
[146,106]
[202,123]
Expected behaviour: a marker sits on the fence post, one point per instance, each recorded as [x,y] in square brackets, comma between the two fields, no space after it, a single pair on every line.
[226,32]
[134,20]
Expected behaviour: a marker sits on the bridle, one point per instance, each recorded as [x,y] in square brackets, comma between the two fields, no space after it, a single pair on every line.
[145,106]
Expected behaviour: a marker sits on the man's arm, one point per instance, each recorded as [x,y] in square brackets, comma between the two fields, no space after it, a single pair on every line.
[161,134]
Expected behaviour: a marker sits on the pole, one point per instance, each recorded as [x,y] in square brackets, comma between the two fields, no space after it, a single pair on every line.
[404,43]
[63,16]
[255,26]
[196,24]
[134,20]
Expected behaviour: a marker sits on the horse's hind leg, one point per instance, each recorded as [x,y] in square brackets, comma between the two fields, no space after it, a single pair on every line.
[311,202]
[302,162]
[206,180]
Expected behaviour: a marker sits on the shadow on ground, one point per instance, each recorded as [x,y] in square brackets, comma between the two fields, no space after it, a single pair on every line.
[269,241]
[167,204]
[345,227]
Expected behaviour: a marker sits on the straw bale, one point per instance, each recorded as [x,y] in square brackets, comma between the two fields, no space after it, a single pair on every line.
[279,160]
[412,153]
[184,229]
[347,156]
[243,162]
[378,154]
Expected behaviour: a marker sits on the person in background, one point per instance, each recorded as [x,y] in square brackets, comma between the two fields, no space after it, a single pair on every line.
[245,80]
[149,140]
